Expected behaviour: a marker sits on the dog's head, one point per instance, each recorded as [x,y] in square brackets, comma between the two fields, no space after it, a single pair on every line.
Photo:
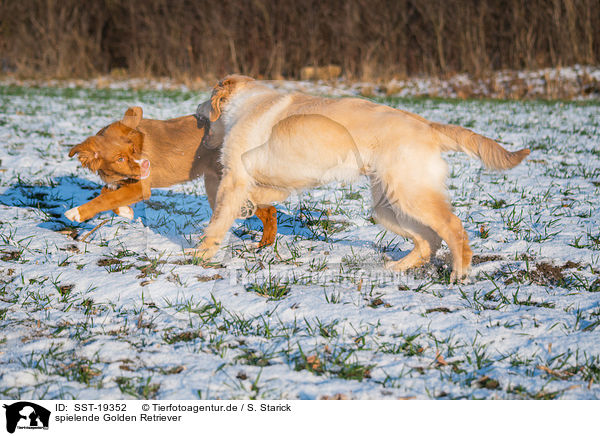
[115,152]
[223,91]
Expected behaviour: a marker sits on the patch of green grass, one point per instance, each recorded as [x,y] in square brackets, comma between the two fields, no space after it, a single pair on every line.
[337,363]
[495,203]
[99,95]
[273,289]
[405,345]
[249,356]
[114,264]
[138,387]
[152,269]
[353,195]
[317,264]
[82,371]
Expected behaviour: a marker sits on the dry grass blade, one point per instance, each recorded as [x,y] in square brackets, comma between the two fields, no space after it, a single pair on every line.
[94,229]
[555,373]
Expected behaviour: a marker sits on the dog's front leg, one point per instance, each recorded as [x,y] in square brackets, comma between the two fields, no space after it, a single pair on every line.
[232,193]
[268,216]
[108,199]
[263,195]
[124,211]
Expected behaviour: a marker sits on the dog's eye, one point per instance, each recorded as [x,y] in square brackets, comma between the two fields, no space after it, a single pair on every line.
[121,159]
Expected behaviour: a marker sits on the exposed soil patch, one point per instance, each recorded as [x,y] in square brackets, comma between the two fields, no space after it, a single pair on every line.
[477,259]
[109,261]
[544,274]
[8,256]
[439,309]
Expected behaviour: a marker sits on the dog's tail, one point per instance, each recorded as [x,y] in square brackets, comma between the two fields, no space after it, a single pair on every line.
[492,154]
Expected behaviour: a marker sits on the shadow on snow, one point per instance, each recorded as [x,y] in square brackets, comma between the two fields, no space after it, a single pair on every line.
[168,213]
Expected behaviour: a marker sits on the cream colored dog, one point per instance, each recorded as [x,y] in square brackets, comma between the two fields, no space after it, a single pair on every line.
[276,143]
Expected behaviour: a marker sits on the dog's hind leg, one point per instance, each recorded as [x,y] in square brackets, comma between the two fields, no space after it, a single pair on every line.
[431,208]
[426,241]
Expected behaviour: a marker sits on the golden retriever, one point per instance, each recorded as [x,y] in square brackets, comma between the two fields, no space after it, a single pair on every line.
[136,154]
[276,142]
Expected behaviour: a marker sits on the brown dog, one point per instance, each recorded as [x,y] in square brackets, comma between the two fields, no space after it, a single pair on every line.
[135,154]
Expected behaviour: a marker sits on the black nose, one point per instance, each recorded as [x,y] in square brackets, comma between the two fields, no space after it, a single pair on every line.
[202,122]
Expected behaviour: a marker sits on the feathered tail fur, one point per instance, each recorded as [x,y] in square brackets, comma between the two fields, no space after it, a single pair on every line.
[492,154]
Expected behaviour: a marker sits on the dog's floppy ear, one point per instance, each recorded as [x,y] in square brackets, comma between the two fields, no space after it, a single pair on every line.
[221,93]
[218,98]
[132,117]
[137,140]
[87,154]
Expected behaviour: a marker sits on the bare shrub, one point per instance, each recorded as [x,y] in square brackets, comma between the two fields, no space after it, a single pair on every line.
[369,39]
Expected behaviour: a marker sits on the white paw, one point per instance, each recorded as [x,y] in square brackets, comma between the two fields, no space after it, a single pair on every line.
[73,214]
[125,212]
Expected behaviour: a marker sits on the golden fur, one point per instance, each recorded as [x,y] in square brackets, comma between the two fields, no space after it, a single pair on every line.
[276,143]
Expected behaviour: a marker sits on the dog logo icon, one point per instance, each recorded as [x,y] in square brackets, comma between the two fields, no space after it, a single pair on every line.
[26,415]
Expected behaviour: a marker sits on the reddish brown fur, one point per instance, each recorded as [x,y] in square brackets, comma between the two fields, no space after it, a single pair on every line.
[268,216]
[175,155]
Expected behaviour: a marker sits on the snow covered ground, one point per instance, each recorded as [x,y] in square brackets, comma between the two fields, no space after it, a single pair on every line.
[126,315]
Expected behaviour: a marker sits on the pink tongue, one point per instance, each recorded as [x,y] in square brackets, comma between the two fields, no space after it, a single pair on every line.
[145,168]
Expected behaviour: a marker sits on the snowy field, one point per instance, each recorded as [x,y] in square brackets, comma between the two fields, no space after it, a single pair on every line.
[126,315]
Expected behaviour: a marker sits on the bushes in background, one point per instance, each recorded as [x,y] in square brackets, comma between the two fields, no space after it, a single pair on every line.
[369,39]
